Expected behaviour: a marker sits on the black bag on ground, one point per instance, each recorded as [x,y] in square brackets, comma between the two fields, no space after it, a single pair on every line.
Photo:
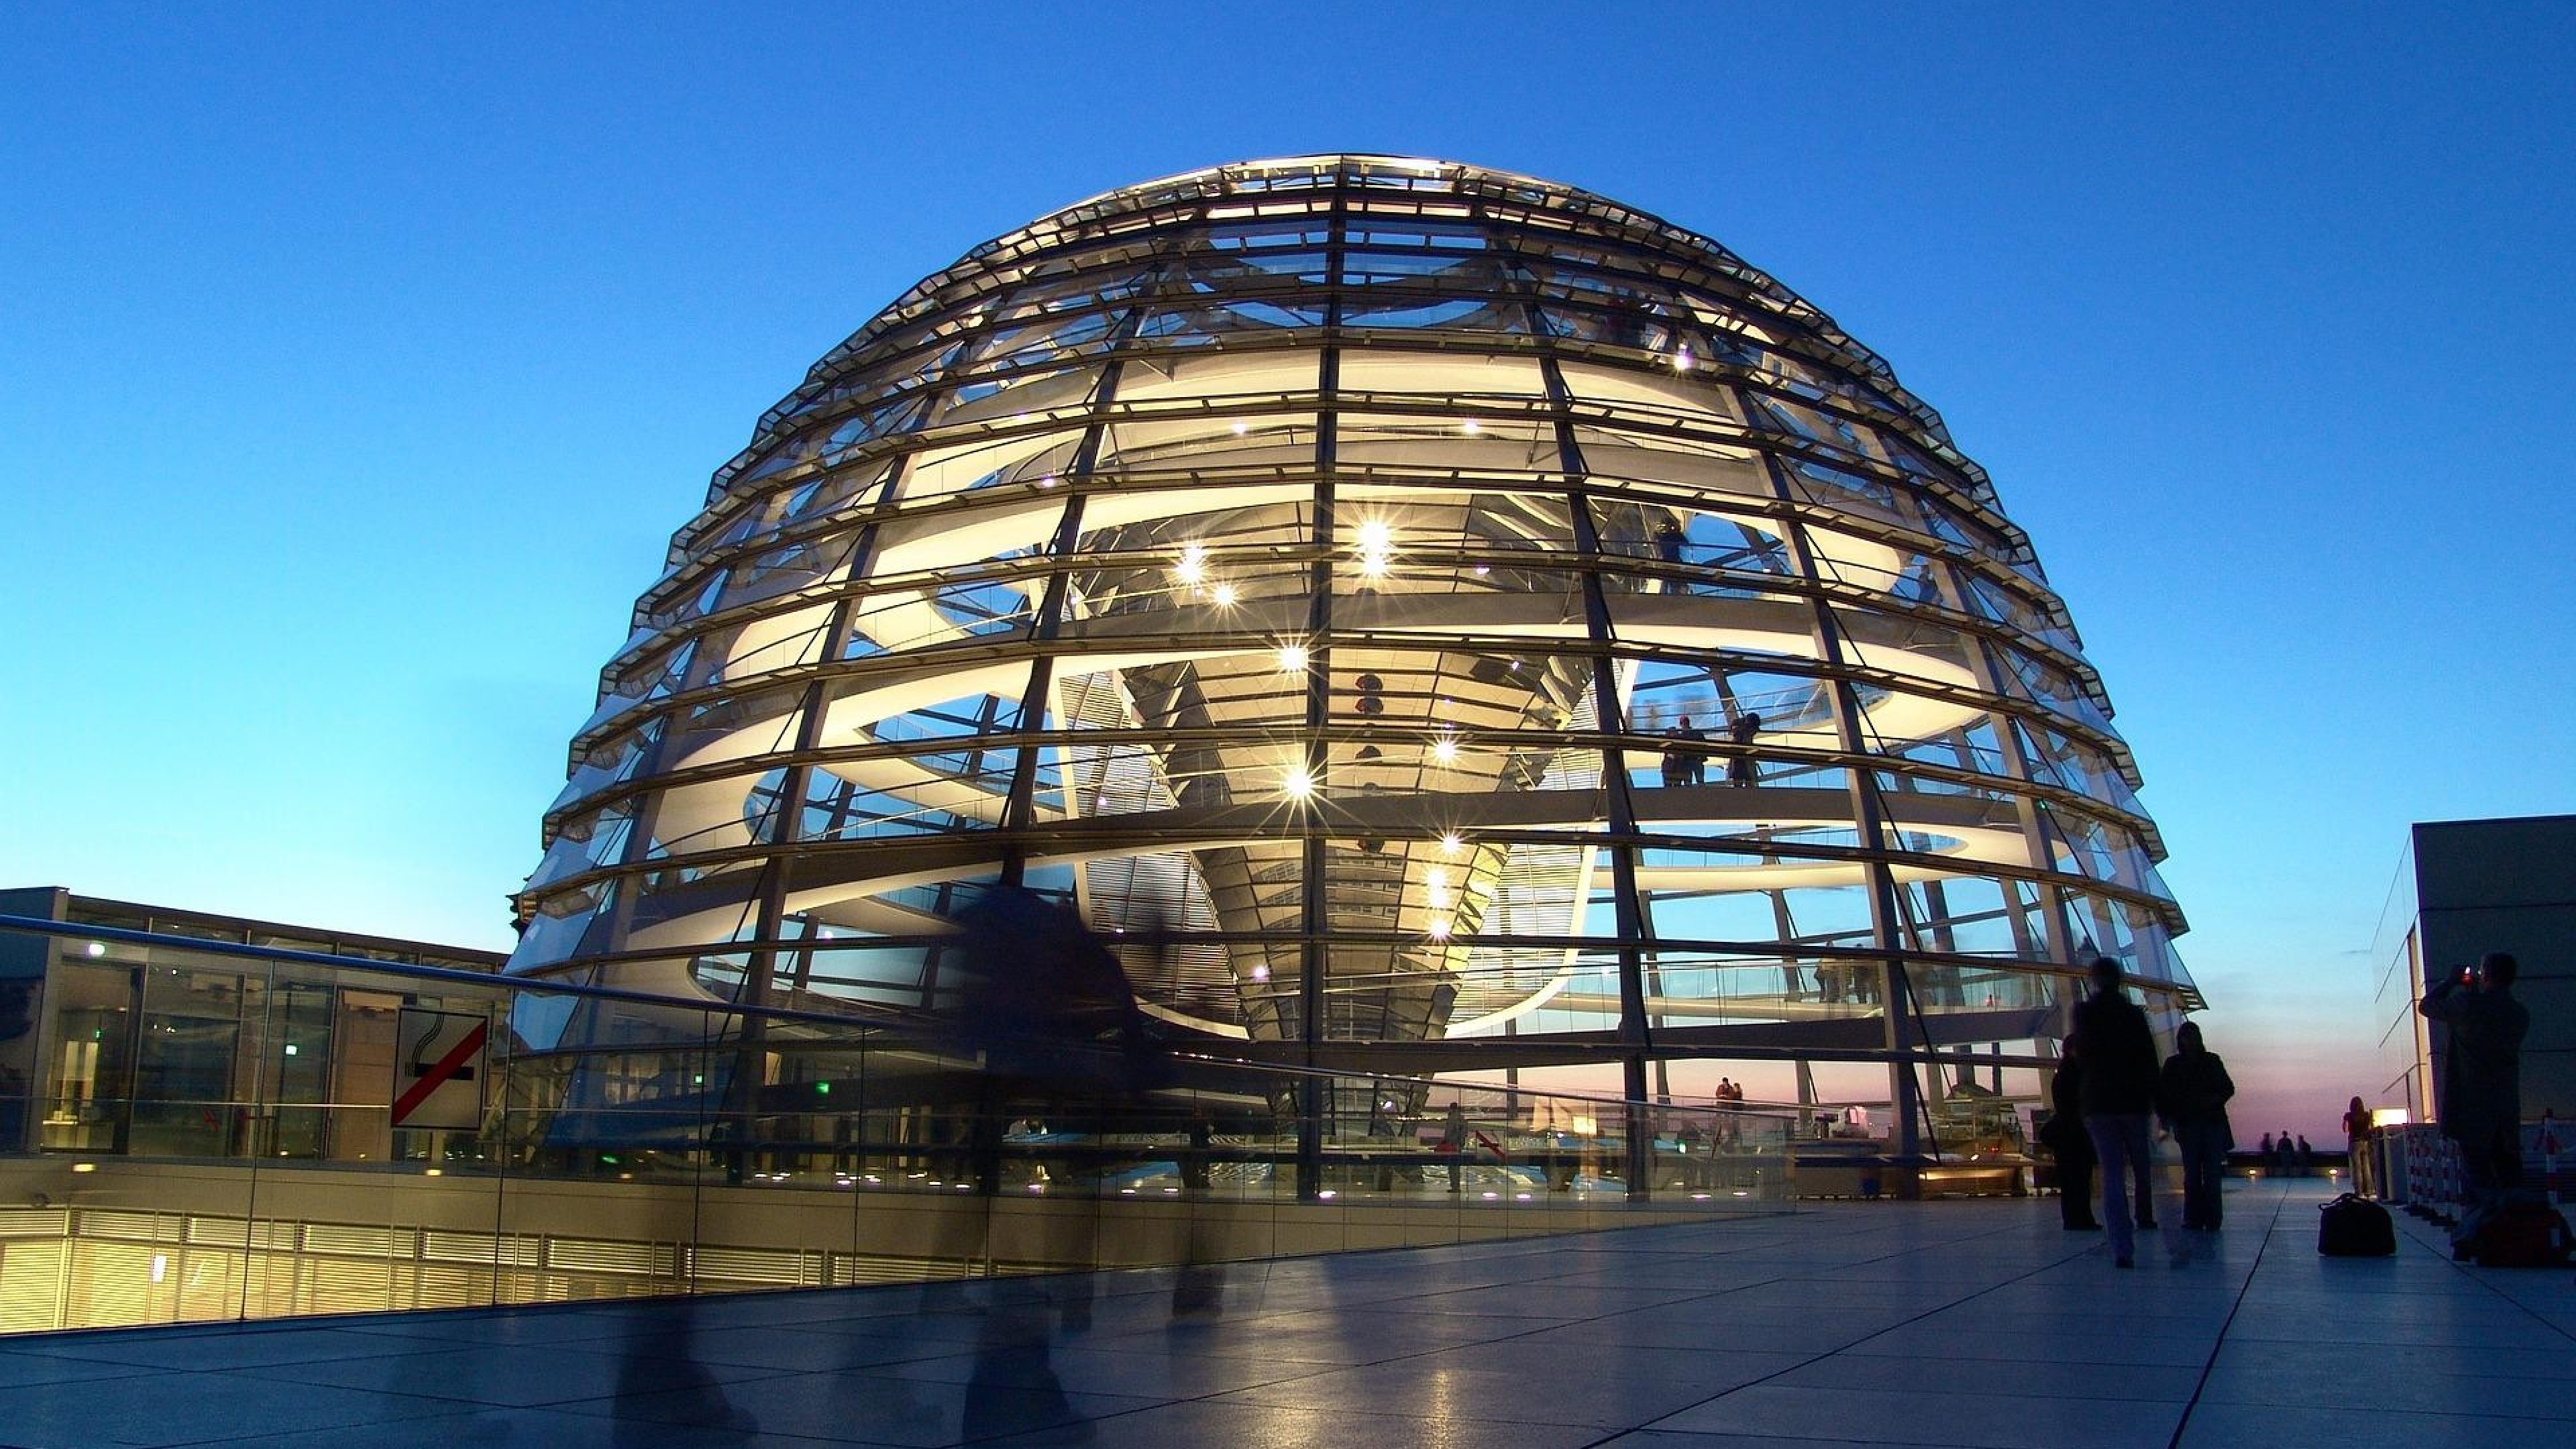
[2523,1234]
[2354,1227]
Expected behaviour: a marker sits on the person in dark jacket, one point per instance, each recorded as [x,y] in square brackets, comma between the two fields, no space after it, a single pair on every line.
[2191,1096]
[2068,1142]
[2478,1096]
[2119,1094]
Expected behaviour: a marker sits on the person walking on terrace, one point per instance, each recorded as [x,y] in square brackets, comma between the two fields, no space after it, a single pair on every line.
[2119,1095]
[2479,1094]
[2191,1096]
[2071,1145]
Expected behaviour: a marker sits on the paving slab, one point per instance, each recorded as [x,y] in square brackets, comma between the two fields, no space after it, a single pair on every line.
[1961,1323]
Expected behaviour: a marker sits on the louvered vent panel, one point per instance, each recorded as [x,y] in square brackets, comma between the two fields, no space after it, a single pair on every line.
[217,1233]
[754,1265]
[35,1222]
[344,1287]
[31,1286]
[109,1223]
[594,1255]
[437,1285]
[111,1283]
[439,1246]
[351,1240]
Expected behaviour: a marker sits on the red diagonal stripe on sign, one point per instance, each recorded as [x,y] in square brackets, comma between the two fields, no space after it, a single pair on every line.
[440,1070]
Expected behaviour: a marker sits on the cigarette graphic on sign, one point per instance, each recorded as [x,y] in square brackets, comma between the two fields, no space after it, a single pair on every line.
[438,1069]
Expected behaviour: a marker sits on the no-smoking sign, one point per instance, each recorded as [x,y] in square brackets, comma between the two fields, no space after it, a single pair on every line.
[438,1069]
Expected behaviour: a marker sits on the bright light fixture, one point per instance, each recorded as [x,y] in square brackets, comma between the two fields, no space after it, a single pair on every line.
[1224,596]
[1292,658]
[1297,783]
[1445,749]
[1193,564]
[1375,541]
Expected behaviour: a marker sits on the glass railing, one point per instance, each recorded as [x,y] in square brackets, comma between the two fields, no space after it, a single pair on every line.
[196,1130]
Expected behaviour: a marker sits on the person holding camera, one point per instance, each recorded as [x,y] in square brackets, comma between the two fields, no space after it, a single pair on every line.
[2478,1096]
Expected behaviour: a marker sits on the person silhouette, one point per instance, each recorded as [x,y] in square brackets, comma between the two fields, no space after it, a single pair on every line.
[1453,1140]
[2120,1068]
[1740,731]
[1694,761]
[2070,1144]
[2356,1146]
[2478,1098]
[2192,1093]
[1669,539]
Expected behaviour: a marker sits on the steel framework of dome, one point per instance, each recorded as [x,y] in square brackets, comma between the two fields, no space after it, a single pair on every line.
[1442,618]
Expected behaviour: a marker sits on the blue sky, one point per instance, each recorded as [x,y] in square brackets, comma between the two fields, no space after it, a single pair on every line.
[355,366]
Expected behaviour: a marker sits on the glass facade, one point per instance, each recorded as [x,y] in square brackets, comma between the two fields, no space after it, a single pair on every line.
[205,1119]
[2465,888]
[1432,617]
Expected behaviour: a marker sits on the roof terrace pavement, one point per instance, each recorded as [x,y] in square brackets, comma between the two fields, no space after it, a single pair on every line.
[1954,1323]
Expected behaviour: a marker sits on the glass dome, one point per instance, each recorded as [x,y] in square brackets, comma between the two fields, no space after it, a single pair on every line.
[1402,604]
